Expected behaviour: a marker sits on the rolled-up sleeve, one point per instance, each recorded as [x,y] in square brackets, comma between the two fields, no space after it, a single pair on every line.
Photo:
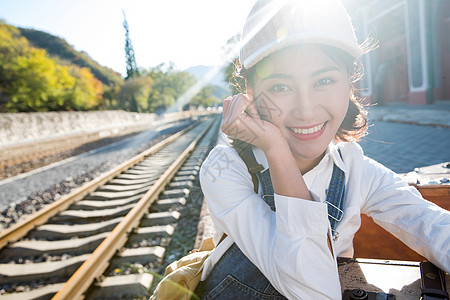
[289,246]
[401,210]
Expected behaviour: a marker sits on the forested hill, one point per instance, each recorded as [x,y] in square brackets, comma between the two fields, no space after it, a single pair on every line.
[56,46]
[42,72]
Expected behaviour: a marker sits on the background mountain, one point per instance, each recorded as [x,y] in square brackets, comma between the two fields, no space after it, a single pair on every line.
[42,72]
[58,47]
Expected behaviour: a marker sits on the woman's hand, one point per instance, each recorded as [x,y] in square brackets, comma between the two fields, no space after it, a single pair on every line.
[241,121]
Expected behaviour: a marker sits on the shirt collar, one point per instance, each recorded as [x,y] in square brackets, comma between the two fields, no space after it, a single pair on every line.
[333,152]
[330,153]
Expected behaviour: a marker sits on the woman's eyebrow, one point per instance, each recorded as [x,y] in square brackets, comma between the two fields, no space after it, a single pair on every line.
[324,70]
[278,75]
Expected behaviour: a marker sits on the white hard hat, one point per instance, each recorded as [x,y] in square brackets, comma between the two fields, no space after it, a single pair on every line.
[275,24]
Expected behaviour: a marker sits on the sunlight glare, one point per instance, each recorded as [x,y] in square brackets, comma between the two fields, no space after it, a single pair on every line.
[227,57]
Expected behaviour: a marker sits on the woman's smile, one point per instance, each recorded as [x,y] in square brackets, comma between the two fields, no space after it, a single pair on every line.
[310,91]
[308,133]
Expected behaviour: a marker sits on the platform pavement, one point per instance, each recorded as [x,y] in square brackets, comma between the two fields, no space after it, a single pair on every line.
[432,115]
[436,114]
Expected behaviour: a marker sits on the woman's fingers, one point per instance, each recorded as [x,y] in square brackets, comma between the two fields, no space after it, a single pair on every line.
[251,109]
[226,104]
[242,121]
[237,122]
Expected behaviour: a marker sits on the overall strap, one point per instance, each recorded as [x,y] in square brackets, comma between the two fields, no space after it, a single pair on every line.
[335,194]
[253,167]
[335,197]
[267,188]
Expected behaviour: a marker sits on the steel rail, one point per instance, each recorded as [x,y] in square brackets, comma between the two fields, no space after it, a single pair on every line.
[96,264]
[20,229]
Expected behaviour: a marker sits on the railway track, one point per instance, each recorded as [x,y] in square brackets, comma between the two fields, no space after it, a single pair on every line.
[76,247]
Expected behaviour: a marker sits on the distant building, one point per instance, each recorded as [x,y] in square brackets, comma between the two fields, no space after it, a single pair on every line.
[412,63]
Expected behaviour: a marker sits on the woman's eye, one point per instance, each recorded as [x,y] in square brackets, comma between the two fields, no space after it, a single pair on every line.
[278,88]
[324,81]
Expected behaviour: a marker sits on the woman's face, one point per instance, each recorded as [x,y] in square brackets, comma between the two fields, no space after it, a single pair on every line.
[306,94]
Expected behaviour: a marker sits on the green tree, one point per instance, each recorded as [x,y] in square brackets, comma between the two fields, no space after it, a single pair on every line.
[36,82]
[136,90]
[168,86]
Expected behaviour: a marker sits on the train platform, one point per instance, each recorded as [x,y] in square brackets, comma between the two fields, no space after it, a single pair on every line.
[436,114]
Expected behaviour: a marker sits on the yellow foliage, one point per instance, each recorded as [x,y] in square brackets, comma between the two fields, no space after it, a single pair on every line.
[87,90]
[33,81]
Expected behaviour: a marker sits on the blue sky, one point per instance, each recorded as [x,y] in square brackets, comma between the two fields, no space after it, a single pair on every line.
[188,33]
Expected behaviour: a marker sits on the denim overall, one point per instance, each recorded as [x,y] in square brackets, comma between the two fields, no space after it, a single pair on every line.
[235,276]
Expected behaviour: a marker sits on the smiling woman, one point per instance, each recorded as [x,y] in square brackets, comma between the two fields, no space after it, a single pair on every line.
[286,197]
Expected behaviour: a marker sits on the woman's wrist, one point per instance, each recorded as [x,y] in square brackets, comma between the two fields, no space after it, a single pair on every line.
[287,179]
[275,146]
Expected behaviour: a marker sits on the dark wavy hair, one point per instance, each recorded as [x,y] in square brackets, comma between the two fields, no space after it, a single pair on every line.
[355,124]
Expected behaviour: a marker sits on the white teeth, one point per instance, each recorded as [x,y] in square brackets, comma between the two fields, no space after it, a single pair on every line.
[309,130]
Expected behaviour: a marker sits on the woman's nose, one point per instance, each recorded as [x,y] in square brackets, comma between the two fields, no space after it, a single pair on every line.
[303,106]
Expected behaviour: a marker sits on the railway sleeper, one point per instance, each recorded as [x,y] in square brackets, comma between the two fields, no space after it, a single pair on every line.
[63,231]
[150,166]
[123,286]
[192,165]
[142,255]
[159,218]
[184,178]
[180,185]
[148,170]
[195,160]
[119,188]
[152,172]
[125,176]
[93,214]
[117,195]
[150,161]
[152,232]
[166,204]
[118,181]
[88,204]
[175,193]
[187,173]
[38,248]
[45,292]
[10,273]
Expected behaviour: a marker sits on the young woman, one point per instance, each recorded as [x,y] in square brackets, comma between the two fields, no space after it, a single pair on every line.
[302,119]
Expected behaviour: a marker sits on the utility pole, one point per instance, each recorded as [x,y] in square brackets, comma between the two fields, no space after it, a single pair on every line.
[132,69]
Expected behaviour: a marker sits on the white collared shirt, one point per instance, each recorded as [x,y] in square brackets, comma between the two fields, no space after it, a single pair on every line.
[289,246]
